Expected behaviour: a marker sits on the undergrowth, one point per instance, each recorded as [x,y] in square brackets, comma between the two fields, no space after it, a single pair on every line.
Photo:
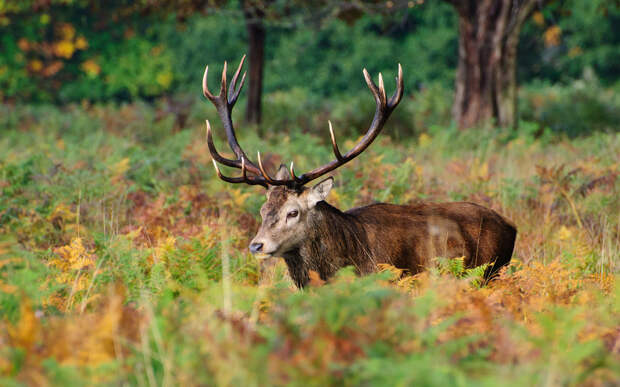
[123,260]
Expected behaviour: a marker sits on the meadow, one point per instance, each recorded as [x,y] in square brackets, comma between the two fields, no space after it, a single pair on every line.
[124,260]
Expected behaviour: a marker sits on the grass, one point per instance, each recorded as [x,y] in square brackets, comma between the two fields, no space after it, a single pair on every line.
[123,259]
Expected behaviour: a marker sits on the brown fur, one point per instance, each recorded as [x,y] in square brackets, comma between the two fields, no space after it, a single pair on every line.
[404,236]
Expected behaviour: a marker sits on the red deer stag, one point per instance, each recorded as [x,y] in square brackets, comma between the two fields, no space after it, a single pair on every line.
[310,234]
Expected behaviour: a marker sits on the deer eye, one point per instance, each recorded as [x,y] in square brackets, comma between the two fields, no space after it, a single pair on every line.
[292,214]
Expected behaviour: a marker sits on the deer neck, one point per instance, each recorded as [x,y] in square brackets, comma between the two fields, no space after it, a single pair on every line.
[334,240]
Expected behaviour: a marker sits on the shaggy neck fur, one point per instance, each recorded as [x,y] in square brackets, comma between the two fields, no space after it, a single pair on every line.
[334,240]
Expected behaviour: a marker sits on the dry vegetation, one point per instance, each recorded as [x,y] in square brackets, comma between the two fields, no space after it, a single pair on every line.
[123,260]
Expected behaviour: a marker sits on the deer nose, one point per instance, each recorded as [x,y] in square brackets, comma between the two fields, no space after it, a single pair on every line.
[256,247]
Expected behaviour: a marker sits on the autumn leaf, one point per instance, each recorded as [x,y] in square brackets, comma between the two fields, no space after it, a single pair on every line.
[117,170]
[26,331]
[35,65]
[164,79]
[575,52]
[315,279]
[91,68]
[53,68]
[64,49]
[538,18]
[424,140]
[67,31]
[73,256]
[552,36]
[81,43]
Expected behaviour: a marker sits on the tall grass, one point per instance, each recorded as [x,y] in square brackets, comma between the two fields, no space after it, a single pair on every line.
[123,258]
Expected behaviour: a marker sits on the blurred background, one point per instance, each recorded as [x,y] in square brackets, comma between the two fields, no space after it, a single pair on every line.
[305,58]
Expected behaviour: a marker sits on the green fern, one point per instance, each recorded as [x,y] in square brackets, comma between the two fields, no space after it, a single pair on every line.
[456,268]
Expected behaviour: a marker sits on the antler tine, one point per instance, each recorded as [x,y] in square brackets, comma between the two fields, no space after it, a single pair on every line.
[225,178]
[382,89]
[223,85]
[269,179]
[233,91]
[214,153]
[250,180]
[334,144]
[293,172]
[205,87]
[398,93]
[371,85]
[236,95]
[242,179]
[243,170]
[263,172]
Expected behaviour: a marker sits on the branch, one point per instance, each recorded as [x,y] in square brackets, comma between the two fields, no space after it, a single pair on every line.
[521,11]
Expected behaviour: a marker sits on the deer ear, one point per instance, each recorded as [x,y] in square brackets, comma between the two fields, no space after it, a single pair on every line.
[320,191]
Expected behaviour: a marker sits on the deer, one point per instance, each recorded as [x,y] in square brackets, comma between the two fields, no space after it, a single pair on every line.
[299,225]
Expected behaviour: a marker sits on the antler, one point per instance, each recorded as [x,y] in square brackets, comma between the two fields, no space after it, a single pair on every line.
[382,112]
[225,101]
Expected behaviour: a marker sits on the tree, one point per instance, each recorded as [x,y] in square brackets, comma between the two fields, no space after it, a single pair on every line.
[486,85]
[254,15]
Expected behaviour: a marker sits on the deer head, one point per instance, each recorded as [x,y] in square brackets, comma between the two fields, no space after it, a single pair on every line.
[290,205]
[287,215]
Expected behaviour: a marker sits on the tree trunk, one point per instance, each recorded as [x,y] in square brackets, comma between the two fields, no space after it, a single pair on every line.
[486,86]
[256,40]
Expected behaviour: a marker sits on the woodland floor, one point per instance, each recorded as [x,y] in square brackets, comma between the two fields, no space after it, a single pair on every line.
[114,231]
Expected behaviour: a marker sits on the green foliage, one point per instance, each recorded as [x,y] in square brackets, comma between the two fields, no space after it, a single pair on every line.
[115,235]
[456,268]
[588,39]
[577,109]
[72,51]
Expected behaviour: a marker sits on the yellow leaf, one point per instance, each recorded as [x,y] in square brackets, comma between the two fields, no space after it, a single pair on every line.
[8,288]
[61,213]
[8,261]
[164,248]
[35,65]
[552,36]
[424,140]
[64,49]
[483,171]
[118,170]
[239,197]
[377,159]
[480,170]
[164,79]
[419,171]
[564,233]
[538,18]
[91,68]
[5,247]
[72,257]
[67,31]
[26,331]
[575,51]
[81,43]
[134,234]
